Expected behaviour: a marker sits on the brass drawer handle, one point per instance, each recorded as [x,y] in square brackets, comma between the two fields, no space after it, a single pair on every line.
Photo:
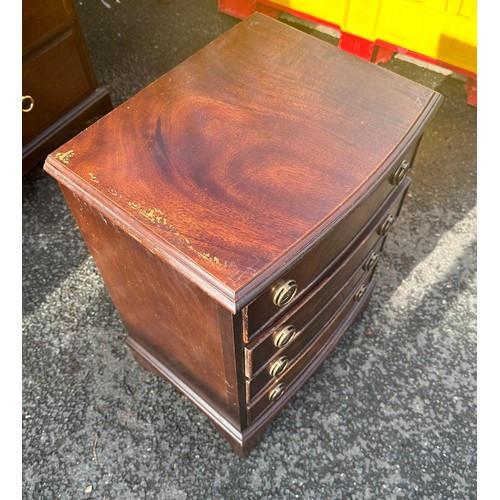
[276,392]
[279,366]
[284,336]
[384,228]
[285,292]
[360,293]
[400,172]
[28,103]
[371,261]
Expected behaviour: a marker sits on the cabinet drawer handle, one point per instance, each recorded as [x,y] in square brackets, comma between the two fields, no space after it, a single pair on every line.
[285,292]
[371,261]
[28,103]
[279,366]
[384,228]
[360,293]
[400,172]
[276,392]
[284,336]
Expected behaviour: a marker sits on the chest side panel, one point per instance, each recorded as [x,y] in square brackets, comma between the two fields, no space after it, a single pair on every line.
[168,316]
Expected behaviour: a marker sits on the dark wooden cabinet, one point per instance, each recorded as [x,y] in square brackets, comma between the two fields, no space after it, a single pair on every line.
[237,208]
[60,92]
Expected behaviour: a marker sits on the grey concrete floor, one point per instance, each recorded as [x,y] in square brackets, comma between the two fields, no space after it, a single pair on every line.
[391,413]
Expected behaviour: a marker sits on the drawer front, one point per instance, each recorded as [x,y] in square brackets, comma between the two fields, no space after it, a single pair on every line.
[289,329]
[43,18]
[55,80]
[333,246]
[269,344]
[285,386]
[286,358]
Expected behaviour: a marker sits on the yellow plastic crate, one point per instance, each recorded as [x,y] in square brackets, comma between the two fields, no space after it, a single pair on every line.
[443,30]
[332,11]
[440,31]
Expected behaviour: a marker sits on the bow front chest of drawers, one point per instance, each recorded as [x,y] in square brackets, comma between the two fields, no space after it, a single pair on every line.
[236,209]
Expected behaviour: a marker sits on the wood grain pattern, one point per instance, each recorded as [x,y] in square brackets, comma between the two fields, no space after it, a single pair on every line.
[212,157]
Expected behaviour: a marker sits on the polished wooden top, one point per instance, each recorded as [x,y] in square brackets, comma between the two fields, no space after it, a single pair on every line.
[234,161]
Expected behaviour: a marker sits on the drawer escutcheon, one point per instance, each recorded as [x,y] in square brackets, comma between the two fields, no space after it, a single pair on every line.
[400,172]
[285,292]
[371,262]
[279,366]
[360,293]
[276,392]
[384,228]
[284,336]
[28,103]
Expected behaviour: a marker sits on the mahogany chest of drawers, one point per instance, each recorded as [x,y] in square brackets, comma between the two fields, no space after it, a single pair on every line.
[236,209]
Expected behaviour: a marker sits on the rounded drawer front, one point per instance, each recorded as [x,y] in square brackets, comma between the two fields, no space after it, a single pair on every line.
[42,19]
[290,380]
[321,259]
[276,364]
[332,290]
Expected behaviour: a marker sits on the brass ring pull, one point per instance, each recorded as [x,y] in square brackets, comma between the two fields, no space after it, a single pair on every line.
[284,336]
[28,103]
[360,293]
[371,261]
[400,172]
[384,228]
[279,366]
[285,292]
[276,392]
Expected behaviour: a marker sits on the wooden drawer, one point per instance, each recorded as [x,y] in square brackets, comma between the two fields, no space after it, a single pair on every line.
[262,348]
[289,382]
[56,79]
[315,320]
[332,247]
